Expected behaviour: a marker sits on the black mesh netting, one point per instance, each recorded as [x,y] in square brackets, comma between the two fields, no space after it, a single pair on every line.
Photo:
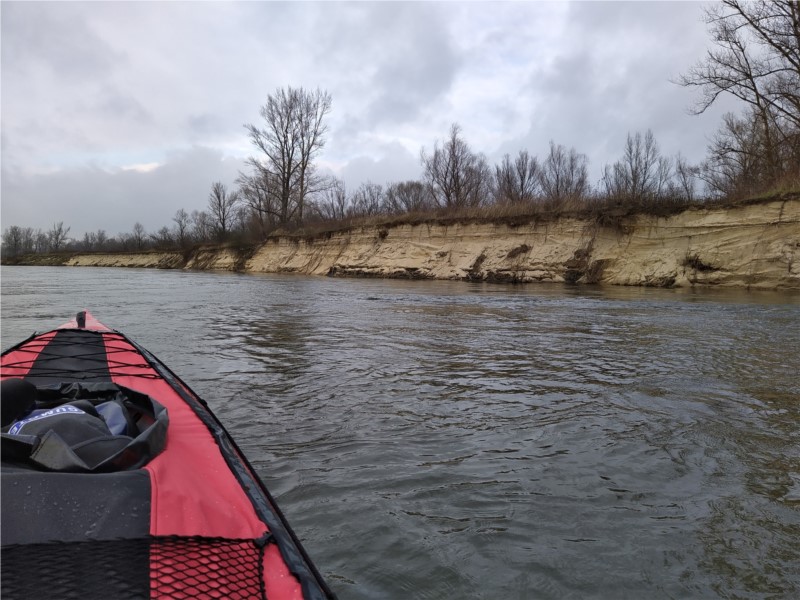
[157,567]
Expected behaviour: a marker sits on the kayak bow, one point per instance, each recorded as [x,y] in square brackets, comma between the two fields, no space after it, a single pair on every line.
[119,482]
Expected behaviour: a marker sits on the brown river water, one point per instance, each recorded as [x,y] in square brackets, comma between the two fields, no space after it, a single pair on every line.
[457,440]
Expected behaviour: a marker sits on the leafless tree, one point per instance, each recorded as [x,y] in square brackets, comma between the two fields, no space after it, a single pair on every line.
[313,108]
[367,200]
[407,197]
[292,136]
[162,239]
[202,227]
[564,175]
[332,203]
[89,241]
[57,236]
[100,239]
[259,196]
[125,241]
[756,58]
[182,221]
[115,242]
[642,174]
[138,236]
[42,241]
[241,220]
[685,176]
[22,240]
[221,208]
[457,176]
[12,240]
[28,240]
[517,182]
[735,165]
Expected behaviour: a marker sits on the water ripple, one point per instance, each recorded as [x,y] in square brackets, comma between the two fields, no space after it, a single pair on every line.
[440,439]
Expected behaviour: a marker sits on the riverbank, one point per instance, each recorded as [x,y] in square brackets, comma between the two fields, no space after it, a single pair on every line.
[756,245]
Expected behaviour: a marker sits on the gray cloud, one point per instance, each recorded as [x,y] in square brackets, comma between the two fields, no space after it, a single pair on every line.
[393,164]
[616,75]
[90,89]
[90,197]
[417,69]
[392,61]
[55,38]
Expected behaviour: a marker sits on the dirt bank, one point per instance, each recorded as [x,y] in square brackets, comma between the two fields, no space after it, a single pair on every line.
[755,245]
[749,246]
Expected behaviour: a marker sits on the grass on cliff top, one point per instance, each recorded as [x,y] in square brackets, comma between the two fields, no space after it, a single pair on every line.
[610,213]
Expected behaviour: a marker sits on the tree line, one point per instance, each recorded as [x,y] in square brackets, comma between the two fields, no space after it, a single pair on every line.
[755,57]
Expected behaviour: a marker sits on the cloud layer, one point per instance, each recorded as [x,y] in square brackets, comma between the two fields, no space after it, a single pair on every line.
[120,112]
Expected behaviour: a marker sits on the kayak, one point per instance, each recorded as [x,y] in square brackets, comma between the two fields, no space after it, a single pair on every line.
[118,481]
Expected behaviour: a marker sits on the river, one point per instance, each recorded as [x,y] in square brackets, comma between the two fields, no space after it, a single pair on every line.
[457,440]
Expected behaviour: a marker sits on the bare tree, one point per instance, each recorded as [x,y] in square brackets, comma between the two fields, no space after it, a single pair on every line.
[367,200]
[12,240]
[125,241]
[332,203]
[114,243]
[241,220]
[259,196]
[182,221]
[642,174]
[162,239]
[57,236]
[407,197]
[221,208]
[138,236]
[89,241]
[42,242]
[28,240]
[292,136]
[202,227]
[735,165]
[457,176]
[685,175]
[756,58]
[518,181]
[100,239]
[313,108]
[564,175]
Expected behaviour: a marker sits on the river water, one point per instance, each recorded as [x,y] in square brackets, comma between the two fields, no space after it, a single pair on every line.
[457,440]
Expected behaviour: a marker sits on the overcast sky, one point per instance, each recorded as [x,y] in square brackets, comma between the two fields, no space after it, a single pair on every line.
[117,112]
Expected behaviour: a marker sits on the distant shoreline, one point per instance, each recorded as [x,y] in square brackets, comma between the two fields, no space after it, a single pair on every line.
[755,245]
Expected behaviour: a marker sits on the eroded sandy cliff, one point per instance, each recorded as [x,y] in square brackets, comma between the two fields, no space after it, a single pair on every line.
[756,245]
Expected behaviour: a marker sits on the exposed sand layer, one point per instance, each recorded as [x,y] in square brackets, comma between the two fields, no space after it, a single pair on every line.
[751,246]
[156,260]
[756,245]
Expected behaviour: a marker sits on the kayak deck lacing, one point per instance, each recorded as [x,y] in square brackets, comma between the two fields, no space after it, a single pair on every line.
[180,567]
[202,567]
[39,352]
